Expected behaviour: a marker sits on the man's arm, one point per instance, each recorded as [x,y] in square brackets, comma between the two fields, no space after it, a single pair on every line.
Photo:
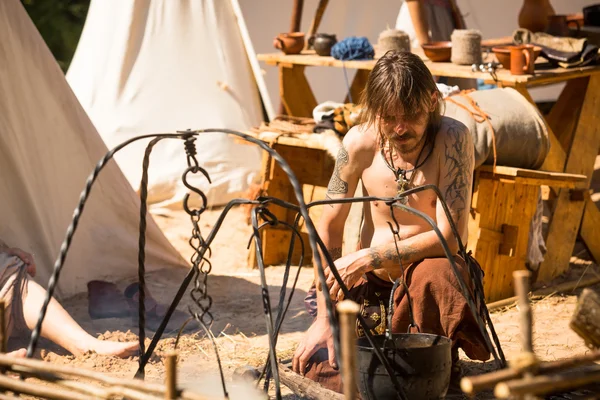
[350,163]
[456,178]
[418,15]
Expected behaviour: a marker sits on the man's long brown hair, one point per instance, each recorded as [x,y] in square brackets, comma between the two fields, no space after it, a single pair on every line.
[400,81]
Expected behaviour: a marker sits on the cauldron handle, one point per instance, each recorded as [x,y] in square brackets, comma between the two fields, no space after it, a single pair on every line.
[412,323]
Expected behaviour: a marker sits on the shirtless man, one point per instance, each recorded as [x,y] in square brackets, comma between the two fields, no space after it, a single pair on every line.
[403,142]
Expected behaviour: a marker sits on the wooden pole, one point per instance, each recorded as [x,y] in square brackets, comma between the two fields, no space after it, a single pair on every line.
[171,376]
[314,26]
[348,312]
[521,278]
[305,387]
[43,391]
[563,287]
[474,384]
[3,339]
[296,15]
[544,384]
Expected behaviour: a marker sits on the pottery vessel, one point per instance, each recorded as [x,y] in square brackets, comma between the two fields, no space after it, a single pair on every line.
[558,25]
[534,15]
[289,43]
[322,43]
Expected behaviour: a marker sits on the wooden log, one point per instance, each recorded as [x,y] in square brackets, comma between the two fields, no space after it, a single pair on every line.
[305,387]
[171,376]
[563,287]
[544,384]
[348,312]
[586,318]
[474,384]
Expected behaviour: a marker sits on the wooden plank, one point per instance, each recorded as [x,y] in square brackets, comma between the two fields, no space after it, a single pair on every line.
[296,94]
[534,177]
[590,227]
[541,77]
[567,216]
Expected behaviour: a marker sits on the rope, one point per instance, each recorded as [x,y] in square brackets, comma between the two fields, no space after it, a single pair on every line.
[478,115]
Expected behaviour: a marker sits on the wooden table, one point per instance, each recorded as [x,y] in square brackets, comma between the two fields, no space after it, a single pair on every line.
[574,128]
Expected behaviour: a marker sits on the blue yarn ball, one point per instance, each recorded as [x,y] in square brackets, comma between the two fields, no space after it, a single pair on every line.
[353,48]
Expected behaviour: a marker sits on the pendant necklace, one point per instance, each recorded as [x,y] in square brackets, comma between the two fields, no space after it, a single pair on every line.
[402,182]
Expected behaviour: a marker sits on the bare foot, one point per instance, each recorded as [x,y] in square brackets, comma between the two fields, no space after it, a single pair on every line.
[21,353]
[117,349]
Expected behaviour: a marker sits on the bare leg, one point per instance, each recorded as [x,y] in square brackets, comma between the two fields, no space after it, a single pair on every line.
[60,328]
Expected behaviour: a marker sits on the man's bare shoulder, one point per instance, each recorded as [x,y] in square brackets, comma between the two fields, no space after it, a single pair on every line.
[360,141]
[452,129]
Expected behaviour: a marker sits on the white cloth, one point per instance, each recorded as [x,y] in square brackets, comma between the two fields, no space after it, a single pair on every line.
[160,66]
[48,147]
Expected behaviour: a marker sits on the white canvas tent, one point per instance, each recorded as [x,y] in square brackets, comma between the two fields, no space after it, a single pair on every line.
[48,147]
[160,66]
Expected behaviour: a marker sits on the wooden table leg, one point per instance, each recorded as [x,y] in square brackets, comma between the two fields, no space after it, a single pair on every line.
[567,216]
[358,84]
[296,94]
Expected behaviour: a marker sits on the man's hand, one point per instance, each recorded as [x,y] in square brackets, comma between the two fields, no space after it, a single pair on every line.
[317,337]
[351,268]
[24,256]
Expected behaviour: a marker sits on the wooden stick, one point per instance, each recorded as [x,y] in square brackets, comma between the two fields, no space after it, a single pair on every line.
[475,384]
[34,389]
[305,387]
[544,384]
[171,376]
[348,312]
[22,365]
[563,287]
[314,26]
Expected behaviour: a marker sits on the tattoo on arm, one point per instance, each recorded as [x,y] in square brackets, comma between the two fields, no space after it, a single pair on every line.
[379,256]
[337,185]
[328,197]
[459,169]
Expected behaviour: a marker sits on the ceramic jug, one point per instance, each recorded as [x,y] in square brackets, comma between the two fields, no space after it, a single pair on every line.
[534,15]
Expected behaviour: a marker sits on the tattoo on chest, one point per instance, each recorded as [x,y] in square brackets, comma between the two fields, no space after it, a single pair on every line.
[337,185]
[459,170]
[335,253]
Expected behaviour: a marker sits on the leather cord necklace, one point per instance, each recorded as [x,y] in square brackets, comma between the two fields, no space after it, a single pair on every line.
[400,173]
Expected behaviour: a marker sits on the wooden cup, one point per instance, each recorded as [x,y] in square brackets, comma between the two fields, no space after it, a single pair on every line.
[522,59]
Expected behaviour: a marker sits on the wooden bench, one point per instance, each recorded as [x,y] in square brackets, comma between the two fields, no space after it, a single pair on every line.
[503,204]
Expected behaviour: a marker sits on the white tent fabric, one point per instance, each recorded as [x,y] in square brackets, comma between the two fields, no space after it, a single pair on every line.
[48,147]
[147,66]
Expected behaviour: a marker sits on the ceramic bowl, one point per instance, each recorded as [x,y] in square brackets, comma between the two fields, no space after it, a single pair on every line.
[503,54]
[438,51]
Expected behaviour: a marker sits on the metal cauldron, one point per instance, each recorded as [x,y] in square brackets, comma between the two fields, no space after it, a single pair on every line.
[428,355]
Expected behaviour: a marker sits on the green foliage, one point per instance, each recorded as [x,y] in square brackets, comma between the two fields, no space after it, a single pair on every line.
[60,23]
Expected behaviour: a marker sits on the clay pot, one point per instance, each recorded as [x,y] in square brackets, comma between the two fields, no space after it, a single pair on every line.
[503,54]
[534,15]
[438,51]
[289,43]
[322,43]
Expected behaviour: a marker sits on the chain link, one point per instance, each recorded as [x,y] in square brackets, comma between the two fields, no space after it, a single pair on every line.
[201,264]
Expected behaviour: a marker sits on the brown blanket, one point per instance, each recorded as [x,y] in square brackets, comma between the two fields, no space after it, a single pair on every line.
[438,308]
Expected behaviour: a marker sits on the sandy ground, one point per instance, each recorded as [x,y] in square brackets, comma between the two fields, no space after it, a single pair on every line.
[239,324]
